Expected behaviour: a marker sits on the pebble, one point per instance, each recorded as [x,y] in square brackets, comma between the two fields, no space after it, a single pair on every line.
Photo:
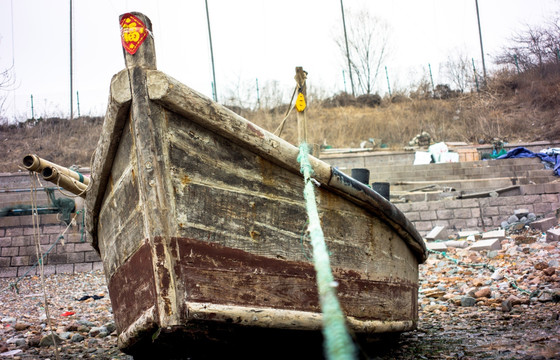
[23,319]
[483,293]
[468,301]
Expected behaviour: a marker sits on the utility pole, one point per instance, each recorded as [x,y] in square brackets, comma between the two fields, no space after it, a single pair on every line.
[347,50]
[71,65]
[214,88]
[481,47]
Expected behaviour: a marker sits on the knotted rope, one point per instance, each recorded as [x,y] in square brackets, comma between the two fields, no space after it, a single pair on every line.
[337,342]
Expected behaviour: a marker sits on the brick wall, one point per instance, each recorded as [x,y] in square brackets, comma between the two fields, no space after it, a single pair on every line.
[469,214]
[17,247]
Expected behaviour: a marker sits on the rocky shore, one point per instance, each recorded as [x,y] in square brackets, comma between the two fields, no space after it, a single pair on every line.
[488,304]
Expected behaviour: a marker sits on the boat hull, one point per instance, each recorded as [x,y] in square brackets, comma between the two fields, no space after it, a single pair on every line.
[202,229]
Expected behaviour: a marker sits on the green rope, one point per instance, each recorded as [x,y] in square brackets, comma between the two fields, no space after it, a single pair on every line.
[337,342]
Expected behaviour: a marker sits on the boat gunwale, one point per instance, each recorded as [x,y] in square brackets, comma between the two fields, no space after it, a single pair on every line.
[179,98]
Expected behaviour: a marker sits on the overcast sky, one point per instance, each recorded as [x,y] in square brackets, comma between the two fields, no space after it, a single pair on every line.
[253,39]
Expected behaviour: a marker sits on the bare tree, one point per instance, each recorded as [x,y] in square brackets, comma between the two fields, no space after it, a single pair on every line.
[7,81]
[368,45]
[533,47]
[458,70]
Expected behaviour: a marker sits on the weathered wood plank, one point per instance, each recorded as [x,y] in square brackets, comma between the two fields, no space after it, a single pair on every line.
[115,117]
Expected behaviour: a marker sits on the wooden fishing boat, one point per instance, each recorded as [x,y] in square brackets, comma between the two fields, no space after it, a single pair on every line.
[199,218]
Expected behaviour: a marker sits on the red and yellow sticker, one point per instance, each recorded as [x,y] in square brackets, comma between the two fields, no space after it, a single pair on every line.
[133,33]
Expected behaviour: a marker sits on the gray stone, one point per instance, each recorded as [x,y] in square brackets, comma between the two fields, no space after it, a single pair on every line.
[553,263]
[507,305]
[48,340]
[504,224]
[110,326]
[77,338]
[20,342]
[94,331]
[492,254]
[521,212]
[65,335]
[86,323]
[512,219]
[468,301]
[531,217]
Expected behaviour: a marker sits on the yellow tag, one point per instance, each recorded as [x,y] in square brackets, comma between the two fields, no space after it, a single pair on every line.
[300,102]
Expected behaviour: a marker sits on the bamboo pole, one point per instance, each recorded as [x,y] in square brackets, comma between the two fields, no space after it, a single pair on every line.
[301,105]
[33,162]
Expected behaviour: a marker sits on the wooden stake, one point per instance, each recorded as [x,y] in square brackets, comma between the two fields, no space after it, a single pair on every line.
[301,77]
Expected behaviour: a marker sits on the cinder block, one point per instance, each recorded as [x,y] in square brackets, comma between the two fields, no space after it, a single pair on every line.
[457,244]
[65,268]
[5,241]
[83,247]
[57,259]
[27,270]
[10,251]
[428,215]
[436,246]
[83,267]
[8,221]
[500,234]
[437,233]
[462,213]
[91,256]
[22,241]
[20,261]
[14,231]
[5,261]
[552,235]
[467,233]
[544,224]
[7,272]
[488,244]
[76,257]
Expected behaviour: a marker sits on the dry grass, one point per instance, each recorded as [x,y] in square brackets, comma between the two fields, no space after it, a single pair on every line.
[513,107]
[62,141]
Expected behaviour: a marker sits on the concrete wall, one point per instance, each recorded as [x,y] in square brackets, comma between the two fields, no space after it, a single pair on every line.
[17,243]
[18,251]
[476,214]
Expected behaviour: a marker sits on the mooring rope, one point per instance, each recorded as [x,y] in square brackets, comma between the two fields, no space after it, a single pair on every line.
[337,341]
[35,218]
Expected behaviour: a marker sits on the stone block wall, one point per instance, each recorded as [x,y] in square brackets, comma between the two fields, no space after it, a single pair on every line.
[18,254]
[476,214]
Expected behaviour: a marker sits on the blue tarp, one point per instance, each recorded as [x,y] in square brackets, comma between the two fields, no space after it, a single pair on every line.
[550,156]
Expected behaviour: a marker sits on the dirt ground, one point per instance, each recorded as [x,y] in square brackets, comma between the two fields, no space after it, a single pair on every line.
[508,309]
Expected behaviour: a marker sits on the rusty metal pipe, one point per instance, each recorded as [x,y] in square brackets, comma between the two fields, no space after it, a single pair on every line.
[33,162]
